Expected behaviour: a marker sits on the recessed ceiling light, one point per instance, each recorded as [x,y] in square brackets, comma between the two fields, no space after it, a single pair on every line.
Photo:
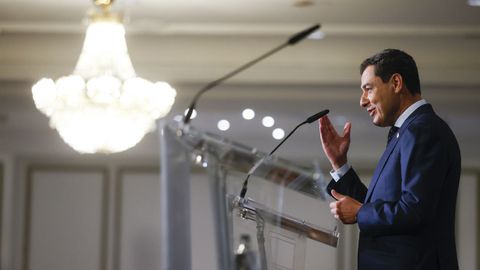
[268,121]
[316,35]
[248,114]
[278,134]
[194,113]
[178,118]
[223,125]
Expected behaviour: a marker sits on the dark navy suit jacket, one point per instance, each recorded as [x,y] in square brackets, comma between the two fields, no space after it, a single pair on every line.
[408,213]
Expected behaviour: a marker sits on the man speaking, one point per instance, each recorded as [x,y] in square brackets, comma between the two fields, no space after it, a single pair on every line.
[406,216]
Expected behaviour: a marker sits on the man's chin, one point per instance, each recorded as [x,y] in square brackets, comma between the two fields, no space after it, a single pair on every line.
[379,123]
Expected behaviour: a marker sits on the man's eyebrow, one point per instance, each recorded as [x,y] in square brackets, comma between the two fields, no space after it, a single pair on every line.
[365,85]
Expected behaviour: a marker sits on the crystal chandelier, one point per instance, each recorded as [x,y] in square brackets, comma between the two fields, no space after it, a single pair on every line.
[103,107]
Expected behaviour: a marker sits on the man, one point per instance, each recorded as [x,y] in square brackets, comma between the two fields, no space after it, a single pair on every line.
[406,217]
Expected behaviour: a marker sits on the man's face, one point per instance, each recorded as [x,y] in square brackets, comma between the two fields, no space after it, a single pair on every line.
[379,98]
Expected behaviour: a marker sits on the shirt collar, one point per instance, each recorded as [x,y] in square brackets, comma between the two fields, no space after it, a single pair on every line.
[409,111]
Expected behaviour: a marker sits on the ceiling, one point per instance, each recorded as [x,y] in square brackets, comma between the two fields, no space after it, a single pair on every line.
[189,43]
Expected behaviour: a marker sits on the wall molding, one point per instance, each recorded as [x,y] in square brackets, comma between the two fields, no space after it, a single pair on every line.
[118,205]
[30,170]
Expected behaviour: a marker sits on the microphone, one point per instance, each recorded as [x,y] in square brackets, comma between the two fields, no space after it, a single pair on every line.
[309,120]
[290,42]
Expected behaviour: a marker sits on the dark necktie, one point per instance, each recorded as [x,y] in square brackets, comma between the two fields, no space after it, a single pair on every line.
[391,133]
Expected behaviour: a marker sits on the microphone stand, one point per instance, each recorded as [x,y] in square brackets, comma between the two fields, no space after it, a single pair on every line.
[291,41]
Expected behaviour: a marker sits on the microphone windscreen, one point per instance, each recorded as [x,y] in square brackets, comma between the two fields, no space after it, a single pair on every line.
[317,116]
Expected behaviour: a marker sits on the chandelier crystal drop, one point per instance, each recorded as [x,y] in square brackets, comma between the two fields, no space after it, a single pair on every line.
[103,107]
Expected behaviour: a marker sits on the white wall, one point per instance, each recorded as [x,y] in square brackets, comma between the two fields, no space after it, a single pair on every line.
[468,222]
[64,219]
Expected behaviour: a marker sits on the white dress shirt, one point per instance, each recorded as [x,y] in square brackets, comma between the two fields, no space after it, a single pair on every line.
[337,174]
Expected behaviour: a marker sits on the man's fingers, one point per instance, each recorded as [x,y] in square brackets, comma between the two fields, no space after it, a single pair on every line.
[337,195]
[334,210]
[326,126]
[328,131]
[346,130]
[324,120]
[323,128]
[330,127]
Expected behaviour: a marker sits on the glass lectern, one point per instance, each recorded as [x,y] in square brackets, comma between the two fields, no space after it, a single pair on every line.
[259,231]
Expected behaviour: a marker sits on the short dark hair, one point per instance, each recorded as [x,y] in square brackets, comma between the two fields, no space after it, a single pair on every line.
[391,61]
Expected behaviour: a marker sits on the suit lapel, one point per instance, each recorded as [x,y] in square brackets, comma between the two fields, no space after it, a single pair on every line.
[388,151]
[380,166]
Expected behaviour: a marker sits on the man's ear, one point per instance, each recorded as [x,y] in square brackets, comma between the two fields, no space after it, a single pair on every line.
[397,82]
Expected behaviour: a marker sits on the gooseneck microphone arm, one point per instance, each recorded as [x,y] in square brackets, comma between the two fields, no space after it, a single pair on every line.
[284,139]
[252,170]
[291,41]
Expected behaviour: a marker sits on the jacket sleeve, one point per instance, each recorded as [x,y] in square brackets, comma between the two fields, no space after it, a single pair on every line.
[350,185]
[423,168]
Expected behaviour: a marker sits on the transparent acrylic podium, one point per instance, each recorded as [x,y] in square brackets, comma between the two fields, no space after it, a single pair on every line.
[251,233]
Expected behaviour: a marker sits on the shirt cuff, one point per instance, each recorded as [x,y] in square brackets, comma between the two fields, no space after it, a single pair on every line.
[337,174]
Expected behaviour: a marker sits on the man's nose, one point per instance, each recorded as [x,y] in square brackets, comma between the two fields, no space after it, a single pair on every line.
[363,100]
